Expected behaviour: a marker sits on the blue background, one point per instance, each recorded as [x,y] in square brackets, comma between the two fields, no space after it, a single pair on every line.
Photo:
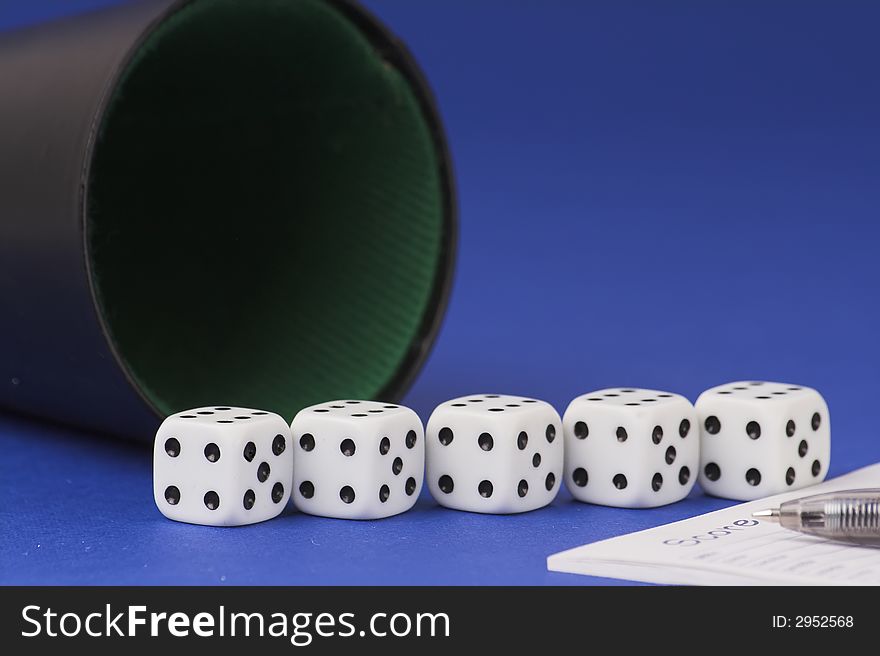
[667,195]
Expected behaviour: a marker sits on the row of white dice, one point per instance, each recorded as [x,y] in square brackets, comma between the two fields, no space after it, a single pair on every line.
[226,466]
[640,448]
[489,453]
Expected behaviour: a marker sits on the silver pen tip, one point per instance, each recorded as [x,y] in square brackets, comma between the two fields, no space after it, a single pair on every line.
[770,513]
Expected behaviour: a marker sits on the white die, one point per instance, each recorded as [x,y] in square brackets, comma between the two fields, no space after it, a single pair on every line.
[494,454]
[222,466]
[629,447]
[357,459]
[761,438]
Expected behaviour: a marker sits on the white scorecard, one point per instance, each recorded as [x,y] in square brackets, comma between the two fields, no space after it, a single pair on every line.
[730,547]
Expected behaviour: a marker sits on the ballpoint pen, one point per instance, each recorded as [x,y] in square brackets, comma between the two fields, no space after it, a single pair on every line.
[850,516]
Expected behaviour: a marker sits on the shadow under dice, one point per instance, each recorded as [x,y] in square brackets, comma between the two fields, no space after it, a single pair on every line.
[762,438]
[357,459]
[629,447]
[222,466]
[494,454]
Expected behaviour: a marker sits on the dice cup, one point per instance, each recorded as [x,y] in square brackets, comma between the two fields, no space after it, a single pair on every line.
[216,202]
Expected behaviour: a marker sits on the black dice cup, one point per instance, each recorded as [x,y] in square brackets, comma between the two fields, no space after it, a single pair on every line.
[216,202]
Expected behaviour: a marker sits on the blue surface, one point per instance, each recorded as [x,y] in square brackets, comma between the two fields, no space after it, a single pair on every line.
[667,195]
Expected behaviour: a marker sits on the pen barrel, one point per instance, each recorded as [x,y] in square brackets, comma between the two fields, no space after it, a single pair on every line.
[854,516]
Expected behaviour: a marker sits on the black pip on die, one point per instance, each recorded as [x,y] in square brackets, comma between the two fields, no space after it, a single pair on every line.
[222,466]
[494,454]
[760,438]
[629,447]
[357,459]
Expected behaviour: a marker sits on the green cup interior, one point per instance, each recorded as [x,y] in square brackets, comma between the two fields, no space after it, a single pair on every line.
[265,217]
